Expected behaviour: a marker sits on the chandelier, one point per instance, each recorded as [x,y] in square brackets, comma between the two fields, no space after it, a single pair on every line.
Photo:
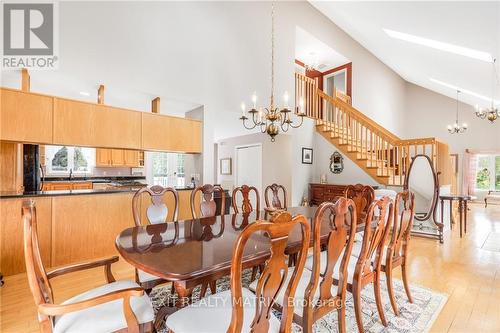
[271,119]
[456,128]
[312,64]
[490,113]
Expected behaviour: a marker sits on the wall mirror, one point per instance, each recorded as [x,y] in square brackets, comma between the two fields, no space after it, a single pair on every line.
[422,180]
[336,163]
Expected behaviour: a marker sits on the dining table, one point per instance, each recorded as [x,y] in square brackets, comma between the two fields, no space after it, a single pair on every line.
[190,252]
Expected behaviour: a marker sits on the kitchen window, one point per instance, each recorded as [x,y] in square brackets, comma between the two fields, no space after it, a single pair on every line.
[488,172]
[59,160]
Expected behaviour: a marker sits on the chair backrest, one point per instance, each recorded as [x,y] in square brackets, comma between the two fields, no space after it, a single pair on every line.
[37,277]
[157,212]
[341,217]
[377,227]
[274,274]
[275,200]
[363,196]
[401,228]
[246,205]
[207,206]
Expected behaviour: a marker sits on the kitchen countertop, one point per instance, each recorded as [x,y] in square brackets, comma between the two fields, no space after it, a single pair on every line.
[124,189]
[96,179]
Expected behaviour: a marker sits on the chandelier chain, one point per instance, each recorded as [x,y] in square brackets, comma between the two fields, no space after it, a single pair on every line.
[272,55]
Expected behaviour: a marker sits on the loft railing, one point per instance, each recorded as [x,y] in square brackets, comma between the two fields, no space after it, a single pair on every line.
[382,150]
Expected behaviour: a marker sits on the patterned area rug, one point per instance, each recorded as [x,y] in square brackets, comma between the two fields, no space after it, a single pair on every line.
[414,317]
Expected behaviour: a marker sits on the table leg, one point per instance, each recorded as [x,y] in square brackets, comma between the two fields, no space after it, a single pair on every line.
[442,211]
[183,294]
[460,212]
[465,217]
[451,215]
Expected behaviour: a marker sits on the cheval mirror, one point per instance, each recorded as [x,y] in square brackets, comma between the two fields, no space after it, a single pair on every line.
[422,180]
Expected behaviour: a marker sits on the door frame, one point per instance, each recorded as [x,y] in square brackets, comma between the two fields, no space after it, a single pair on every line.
[332,74]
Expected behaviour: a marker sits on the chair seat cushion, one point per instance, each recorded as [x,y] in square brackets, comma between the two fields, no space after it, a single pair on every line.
[356,250]
[212,314]
[299,292]
[107,317]
[350,268]
[146,277]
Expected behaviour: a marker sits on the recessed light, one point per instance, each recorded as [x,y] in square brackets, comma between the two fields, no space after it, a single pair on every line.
[84,93]
[462,90]
[451,48]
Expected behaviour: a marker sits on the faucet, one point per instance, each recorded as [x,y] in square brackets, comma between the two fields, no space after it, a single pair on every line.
[70,174]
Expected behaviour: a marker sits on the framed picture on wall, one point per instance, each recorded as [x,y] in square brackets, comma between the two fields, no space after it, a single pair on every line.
[307,156]
[225,166]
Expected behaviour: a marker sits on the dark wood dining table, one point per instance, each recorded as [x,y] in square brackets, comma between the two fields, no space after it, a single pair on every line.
[190,252]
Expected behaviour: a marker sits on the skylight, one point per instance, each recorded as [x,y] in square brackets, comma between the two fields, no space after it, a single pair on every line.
[462,90]
[451,48]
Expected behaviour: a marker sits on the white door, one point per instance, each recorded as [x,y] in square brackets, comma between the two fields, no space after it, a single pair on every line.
[249,166]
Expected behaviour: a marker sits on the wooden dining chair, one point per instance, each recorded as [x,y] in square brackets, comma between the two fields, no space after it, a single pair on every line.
[207,205]
[320,295]
[396,253]
[251,312]
[157,212]
[247,207]
[246,204]
[115,306]
[275,201]
[366,260]
[363,196]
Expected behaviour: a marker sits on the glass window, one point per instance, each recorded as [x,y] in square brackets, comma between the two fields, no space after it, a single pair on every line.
[483,173]
[488,172]
[168,169]
[59,160]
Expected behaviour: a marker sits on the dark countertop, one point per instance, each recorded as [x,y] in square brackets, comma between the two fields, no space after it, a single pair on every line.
[7,195]
[96,179]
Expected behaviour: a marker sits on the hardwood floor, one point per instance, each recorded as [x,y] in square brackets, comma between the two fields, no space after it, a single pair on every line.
[466,269]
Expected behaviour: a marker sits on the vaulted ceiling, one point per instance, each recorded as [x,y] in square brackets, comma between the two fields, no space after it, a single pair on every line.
[472,25]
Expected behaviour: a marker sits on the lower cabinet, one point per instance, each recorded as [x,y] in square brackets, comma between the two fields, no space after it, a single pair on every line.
[65,186]
[319,193]
[11,233]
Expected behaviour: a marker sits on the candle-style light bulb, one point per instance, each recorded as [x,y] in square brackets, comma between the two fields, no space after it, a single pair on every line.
[243,109]
[449,127]
[285,99]
[254,100]
[260,115]
[464,125]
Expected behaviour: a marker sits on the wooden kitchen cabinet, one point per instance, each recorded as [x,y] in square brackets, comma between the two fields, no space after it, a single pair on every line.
[118,158]
[25,117]
[74,123]
[85,226]
[131,158]
[166,133]
[66,186]
[11,236]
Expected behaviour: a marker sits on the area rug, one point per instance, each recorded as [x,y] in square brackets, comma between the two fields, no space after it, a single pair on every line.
[414,317]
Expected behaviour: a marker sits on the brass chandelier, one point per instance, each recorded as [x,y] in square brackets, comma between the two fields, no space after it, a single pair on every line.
[272,119]
[492,112]
[456,128]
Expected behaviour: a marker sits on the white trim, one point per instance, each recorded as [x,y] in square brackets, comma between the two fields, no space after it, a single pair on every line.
[326,77]
[235,166]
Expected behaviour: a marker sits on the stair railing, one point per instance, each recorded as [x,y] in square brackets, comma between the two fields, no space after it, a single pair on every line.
[382,150]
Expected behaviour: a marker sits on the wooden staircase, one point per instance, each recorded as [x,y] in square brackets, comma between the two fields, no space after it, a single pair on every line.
[380,153]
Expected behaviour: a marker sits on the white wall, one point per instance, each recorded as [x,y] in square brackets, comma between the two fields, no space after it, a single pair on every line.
[276,158]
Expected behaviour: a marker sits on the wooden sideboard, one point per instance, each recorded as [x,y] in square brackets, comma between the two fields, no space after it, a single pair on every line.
[319,193]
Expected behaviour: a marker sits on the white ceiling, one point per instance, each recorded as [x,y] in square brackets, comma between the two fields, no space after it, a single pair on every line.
[475,25]
[310,49]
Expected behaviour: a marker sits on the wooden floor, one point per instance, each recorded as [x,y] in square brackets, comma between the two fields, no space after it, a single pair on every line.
[466,269]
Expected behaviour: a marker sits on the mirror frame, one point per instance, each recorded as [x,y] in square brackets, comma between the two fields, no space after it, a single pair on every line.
[435,198]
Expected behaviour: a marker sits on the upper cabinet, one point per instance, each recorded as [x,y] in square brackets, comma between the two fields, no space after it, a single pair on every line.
[35,118]
[171,133]
[25,117]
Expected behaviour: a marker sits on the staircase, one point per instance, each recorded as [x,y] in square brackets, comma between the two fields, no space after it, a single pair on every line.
[380,153]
